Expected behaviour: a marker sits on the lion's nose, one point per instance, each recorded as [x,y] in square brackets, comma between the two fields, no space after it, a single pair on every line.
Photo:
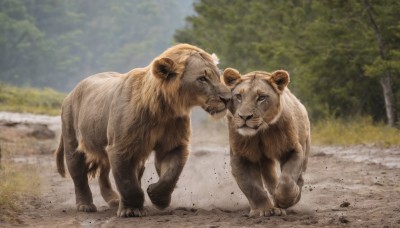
[246,117]
[224,99]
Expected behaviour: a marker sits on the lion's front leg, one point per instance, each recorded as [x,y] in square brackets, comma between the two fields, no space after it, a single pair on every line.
[288,191]
[127,173]
[269,174]
[248,178]
[169,166]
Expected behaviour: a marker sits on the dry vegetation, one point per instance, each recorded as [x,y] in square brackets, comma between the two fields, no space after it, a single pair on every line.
[38,101]
[18,182]
[361,130]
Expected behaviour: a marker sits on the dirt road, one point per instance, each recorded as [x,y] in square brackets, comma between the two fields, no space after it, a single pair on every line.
[353,186]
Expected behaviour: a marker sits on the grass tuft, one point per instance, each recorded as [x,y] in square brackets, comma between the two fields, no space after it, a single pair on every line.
[360,130]
[18,181]
[32,100]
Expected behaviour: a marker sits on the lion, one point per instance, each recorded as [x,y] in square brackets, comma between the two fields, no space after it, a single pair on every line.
[114,121]
[267,124]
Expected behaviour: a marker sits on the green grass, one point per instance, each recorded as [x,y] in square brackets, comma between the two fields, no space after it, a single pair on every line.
[32,100]
[360,130]
[18,182]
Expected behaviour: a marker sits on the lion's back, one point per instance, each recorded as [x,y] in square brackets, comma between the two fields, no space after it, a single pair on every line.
[86,109]
[299,114]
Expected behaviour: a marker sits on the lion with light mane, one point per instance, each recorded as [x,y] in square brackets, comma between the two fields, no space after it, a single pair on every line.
[114,121]
[267,124]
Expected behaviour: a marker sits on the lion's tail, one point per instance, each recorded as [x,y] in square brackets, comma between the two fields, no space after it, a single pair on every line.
[60,158]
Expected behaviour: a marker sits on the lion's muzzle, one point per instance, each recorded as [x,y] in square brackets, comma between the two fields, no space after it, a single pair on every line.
[247,124]
[216,107]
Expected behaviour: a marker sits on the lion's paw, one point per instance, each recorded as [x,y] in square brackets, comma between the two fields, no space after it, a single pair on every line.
[267,212]
[287,194]
[86,207]
[113,203]
[159,196]
[131,212]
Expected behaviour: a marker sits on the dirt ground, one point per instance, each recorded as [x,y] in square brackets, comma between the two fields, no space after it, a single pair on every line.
[355,186]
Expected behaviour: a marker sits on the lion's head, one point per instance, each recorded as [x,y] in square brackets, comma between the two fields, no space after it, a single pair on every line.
[256,101]
[190,76]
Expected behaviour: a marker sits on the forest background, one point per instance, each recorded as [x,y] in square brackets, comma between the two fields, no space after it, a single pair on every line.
[343,56]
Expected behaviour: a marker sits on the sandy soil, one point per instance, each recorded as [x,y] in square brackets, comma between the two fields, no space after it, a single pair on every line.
[344,186]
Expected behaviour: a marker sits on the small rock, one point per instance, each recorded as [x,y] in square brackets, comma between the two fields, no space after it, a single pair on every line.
[163,220]
[343,219]
[41,131]
[331,221]
[345,204]
[320,154]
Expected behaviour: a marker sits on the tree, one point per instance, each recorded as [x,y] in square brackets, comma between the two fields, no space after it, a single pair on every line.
[329,47]
[387,60]
[19,36]
[57,43]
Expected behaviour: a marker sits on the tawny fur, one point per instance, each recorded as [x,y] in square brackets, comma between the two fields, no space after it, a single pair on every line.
[113,120]
[277,130]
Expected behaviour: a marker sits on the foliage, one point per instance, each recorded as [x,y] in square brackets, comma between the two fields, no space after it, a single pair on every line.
[359,130]
[56,43]
[39,101]
[17,182]
[329,47]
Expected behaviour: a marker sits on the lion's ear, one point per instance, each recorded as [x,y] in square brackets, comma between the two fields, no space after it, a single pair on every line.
[164,68]
[231,76]
[281,79]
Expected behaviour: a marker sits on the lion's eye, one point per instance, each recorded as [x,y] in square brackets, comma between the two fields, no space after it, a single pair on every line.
[262,98]
[202,79]
[238,97]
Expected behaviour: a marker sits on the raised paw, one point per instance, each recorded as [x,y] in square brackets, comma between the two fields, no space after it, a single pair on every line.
[124,212]
[113,203]
[86,207]
[159,195]
[267,212]
[287,194]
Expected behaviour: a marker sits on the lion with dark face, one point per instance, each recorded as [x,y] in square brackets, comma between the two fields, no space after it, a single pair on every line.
[267,125]
[114,121]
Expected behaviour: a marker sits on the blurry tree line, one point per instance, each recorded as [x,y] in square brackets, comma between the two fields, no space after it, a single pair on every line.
[343,56]
[56,43]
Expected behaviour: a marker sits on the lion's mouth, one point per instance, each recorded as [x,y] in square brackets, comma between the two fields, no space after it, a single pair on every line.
[247,130]
[217,114]
[245,126]
[212,110]
[217,109]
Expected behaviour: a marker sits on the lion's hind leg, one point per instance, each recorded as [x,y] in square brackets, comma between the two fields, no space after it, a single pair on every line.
[77,167]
